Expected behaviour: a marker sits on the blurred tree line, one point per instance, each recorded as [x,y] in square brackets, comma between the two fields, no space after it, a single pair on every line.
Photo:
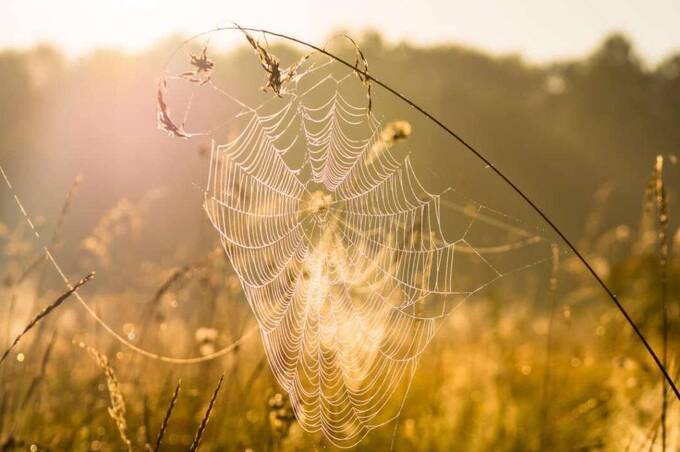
[560,129]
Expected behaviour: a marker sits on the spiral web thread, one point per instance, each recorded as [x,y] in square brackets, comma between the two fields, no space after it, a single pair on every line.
[337,257]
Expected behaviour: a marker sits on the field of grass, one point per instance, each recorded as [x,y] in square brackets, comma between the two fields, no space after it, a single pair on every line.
[544,365]
[541,360]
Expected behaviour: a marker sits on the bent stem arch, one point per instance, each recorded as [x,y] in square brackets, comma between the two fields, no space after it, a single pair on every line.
[515,188]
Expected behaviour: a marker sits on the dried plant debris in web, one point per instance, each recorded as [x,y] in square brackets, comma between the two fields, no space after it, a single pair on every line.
[361,70]
[276,77]
[164,120]
[201,74]
[203,68]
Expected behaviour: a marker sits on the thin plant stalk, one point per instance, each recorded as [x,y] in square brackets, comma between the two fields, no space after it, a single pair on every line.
[168,414]
[204,422]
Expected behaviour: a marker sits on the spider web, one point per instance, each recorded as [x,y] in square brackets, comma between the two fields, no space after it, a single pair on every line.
[339,249]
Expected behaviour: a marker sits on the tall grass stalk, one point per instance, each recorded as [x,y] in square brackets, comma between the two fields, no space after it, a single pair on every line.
[204,422]
[166,418]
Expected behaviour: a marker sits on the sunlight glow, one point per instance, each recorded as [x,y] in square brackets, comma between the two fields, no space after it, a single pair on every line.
[539,30]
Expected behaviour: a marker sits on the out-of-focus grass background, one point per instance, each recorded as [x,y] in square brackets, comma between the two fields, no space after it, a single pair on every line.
[517,367]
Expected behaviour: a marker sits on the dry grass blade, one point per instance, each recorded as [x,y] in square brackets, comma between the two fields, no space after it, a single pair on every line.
[362,71]
[276,77]
[42,314]
[204,422]
[166,419]
[117,408]
[164,121]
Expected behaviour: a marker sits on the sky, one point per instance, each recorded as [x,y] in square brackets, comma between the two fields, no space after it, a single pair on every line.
[540,30]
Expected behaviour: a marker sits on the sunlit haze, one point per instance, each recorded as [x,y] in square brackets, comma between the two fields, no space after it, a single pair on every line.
[540,30]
